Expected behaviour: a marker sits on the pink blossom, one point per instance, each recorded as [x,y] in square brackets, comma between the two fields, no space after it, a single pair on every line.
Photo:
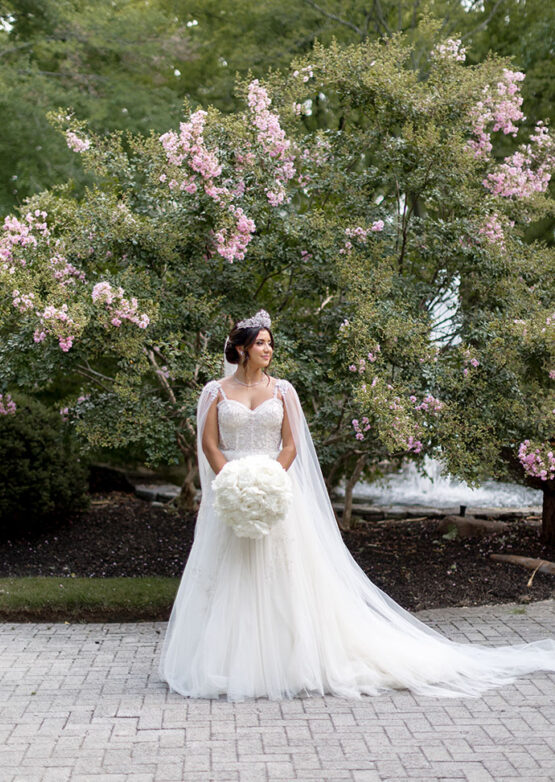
[493,230]
[526,171]
[7,405]
[451,49]
[118,306]
[538,463]
[75,143]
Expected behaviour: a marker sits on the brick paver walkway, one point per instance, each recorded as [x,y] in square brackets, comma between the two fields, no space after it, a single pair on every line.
[84,703]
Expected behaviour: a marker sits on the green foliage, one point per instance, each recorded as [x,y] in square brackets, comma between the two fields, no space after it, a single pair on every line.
[43,476]
[129,65]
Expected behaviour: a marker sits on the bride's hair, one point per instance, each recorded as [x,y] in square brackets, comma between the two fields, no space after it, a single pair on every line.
[245,338]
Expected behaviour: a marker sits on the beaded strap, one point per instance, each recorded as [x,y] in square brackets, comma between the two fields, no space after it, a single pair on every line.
[212,388]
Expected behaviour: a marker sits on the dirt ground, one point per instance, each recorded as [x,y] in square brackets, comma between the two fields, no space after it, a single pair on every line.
[121,535]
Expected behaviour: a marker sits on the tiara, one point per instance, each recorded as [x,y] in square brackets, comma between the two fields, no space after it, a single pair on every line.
[261,318]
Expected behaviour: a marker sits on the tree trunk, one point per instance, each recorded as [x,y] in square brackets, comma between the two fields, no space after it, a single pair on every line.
[548,513]
[348,507]
[186,499]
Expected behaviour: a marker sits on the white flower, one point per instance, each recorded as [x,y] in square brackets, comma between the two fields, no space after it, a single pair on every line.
[252,494]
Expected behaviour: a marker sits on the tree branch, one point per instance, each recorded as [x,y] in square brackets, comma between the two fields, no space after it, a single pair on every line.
[483,23]
[335,18]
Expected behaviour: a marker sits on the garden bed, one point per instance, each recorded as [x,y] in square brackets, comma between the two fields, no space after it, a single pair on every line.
[123,536]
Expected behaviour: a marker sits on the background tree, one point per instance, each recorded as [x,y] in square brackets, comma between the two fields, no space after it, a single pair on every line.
[116,64]
[129,65]
[349,231]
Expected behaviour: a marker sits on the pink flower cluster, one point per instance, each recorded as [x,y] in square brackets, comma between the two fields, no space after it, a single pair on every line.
[232,246]
[413,444]
[526,171]
[7,405]
[56,320]
[492,230]
[430,404]
[360,429]
[118,306]
[65,272]
[189,147]
[500,110]
[468,358]
[360,234]
[372,356]
[64,411]
[539,462]
[273,141]
[23,301]
[450,50]
[75,143]
[21,233]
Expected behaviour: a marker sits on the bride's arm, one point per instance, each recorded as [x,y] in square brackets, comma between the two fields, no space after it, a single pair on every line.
[288,451]
[210,439]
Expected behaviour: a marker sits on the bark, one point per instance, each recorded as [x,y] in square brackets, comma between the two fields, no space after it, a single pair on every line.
[531,563]
[186,499]
[347,510]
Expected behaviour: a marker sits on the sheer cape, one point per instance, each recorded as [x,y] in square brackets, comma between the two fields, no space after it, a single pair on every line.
[367,642]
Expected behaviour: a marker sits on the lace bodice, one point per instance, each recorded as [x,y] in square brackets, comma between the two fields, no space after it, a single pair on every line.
[244,431]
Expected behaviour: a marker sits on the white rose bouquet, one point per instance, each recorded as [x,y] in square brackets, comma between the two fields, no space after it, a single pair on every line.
[252,494]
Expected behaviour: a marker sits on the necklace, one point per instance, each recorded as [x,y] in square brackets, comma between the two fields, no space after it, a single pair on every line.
[248,384]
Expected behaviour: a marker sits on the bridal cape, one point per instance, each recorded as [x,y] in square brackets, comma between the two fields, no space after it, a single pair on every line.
[292,613]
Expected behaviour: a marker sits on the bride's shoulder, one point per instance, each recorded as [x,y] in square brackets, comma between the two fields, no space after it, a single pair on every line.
[211,388]
[283,385]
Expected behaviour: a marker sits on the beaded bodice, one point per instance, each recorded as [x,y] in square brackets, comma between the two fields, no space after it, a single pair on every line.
[244,431]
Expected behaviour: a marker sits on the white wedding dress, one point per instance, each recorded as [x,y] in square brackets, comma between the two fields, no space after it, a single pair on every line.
[292,613]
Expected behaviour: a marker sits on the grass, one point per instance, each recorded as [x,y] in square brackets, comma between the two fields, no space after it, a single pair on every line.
[47,598]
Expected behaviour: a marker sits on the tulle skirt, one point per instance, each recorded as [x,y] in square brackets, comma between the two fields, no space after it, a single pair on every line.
[277,618]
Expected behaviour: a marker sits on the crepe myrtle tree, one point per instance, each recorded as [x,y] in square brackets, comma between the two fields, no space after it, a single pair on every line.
[125,296]
[350,198]
[448,311]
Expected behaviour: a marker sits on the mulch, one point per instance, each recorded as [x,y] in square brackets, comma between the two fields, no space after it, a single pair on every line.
[121,535]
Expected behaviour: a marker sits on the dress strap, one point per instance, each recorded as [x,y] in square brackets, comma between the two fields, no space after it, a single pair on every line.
[222,390]
[276,388]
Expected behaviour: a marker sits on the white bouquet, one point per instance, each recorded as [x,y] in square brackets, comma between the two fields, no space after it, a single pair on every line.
[251,494]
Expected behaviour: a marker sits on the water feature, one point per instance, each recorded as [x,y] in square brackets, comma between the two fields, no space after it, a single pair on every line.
[409,487]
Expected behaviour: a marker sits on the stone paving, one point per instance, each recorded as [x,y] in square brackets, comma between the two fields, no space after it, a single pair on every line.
[83,702]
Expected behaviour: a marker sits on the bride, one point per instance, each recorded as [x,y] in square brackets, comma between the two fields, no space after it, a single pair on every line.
[292,613]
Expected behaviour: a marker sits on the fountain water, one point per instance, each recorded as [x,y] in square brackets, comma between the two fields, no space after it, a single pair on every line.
[409,487]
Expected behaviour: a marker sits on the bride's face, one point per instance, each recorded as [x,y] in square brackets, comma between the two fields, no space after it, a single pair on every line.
[260,353]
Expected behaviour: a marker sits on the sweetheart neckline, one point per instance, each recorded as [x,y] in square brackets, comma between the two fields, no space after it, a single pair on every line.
[251,409]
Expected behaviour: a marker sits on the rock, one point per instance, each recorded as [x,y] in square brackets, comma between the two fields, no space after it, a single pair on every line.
[157,491]
[470,527]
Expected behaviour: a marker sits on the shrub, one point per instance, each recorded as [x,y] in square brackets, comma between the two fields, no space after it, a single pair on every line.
[43,480]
